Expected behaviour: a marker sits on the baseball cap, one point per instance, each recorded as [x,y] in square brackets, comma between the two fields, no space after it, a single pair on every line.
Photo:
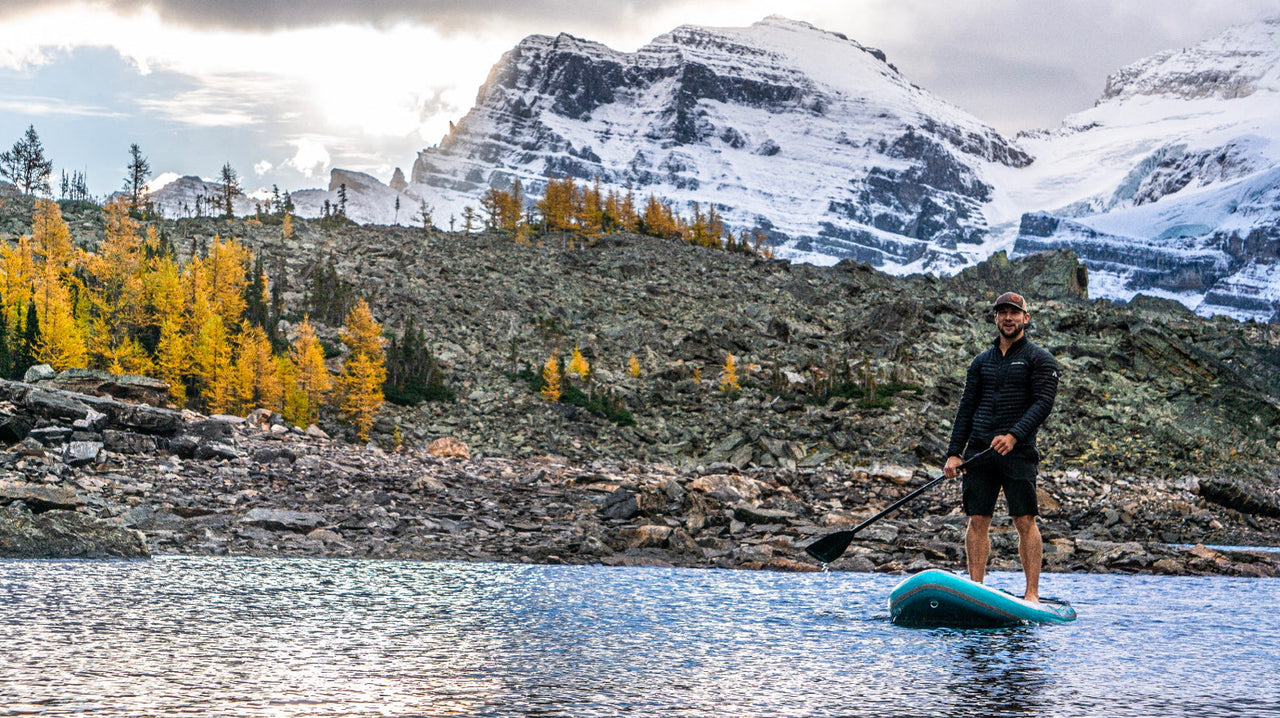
[1012,299]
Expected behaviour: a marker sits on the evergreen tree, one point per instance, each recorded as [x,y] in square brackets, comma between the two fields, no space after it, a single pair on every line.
[26,166]
[275,312]
[413,374]
[329,297]
[135,181]
[228,190]
[25,357]
[6,355]
[257,300]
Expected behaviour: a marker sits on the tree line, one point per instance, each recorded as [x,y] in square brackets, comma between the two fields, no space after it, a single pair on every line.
[567,206]
[130,308]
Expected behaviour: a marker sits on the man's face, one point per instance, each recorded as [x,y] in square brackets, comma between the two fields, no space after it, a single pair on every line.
[1011,321]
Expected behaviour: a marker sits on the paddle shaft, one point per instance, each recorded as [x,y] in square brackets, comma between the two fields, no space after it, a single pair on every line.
[829,547]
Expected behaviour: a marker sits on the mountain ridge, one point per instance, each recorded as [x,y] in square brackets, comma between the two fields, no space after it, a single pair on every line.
[821,143]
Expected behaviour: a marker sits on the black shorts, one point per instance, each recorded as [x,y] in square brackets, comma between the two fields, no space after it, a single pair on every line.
[1015,475]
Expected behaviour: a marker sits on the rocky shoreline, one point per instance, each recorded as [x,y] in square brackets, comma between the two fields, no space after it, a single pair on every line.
[100,477]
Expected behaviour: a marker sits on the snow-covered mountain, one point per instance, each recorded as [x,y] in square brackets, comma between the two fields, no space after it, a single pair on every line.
[783,126]
[368,201]
[1170,184]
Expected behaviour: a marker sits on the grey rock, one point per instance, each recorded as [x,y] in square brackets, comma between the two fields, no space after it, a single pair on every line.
[39,372]
[215,450]
[14,427]
[284,520]
[51,435]
[40,497]
[79,453]
[756,515]
[129,442]
[620,505]
[65,534]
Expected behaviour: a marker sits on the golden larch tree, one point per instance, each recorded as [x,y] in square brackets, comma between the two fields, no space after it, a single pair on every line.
[173,358]
[578,364]
[116,290]
[227,272]
[311,380]
[212,366]
[257,378]
[62,343]
[729,375]
[364,370]
[551,378]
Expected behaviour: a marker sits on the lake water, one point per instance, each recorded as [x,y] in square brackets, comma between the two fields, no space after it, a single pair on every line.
[280,637]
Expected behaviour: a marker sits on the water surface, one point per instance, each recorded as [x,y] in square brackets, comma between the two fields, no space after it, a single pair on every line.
[287,637]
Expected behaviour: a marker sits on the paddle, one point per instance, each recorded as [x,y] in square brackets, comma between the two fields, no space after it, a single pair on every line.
[830,547]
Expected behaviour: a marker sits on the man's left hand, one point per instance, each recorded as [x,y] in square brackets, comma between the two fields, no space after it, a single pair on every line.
[1004,443]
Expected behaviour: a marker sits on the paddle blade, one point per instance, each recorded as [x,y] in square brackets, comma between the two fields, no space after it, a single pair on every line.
[830,547]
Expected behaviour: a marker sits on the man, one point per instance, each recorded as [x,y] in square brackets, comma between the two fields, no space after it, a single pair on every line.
[1008,392]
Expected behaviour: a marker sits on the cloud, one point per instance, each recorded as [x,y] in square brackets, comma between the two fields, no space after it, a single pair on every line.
[220,100]
[48,106]
[311,157]
[262,167]
[445,15]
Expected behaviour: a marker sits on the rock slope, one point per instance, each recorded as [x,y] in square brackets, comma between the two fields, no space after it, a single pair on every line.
[1165,433]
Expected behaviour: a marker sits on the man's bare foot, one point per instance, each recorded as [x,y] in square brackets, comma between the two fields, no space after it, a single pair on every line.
[1031,597]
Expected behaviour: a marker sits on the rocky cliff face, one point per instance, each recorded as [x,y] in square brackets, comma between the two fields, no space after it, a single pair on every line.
[876,169]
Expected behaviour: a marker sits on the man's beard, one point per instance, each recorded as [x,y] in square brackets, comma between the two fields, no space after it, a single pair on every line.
[1010,334]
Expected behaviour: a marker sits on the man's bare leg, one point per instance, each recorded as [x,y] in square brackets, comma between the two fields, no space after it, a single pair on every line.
[1030,552]
[977,546]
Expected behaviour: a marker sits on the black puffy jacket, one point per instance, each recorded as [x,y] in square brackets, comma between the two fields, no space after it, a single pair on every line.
[1009,393]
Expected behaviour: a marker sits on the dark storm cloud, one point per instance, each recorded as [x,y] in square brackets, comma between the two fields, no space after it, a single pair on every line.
[446,15]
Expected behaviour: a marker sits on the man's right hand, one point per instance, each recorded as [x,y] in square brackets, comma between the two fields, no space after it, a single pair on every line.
[950,468]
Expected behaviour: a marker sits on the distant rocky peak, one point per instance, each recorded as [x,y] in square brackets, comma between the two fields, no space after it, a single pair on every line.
[1241,61]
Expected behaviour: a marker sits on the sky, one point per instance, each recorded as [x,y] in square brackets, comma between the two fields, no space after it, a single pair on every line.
[285,91]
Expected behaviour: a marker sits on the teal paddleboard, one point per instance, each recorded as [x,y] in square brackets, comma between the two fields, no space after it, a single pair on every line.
[941,598]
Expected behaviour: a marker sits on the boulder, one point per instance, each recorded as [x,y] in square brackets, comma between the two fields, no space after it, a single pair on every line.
[282,520]
[39,372]
[1242,496]
[449,448]
[65,534]
[128,387]
[621,505]
[80,453]
[39,497]
[14,427]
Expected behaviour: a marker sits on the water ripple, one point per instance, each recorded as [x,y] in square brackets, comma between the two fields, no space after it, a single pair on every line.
[284,637]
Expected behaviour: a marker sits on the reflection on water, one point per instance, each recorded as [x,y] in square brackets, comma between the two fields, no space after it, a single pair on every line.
[276,637]
[1002,671]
